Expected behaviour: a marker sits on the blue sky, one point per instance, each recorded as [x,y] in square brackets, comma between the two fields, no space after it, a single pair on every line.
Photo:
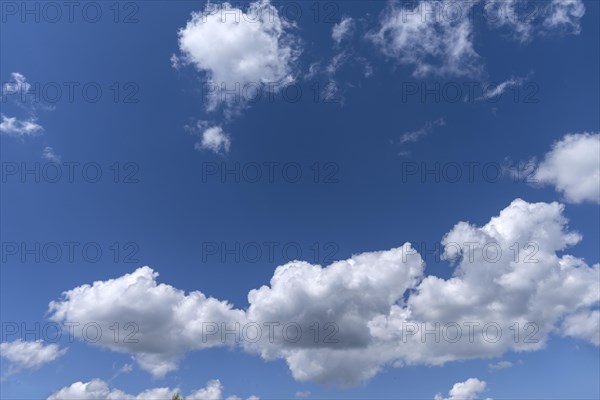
[217,193]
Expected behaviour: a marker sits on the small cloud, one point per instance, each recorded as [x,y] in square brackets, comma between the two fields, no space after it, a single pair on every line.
[29,355]
[18,85]
[336,62]
[212,137]
[467,390]
[560,16]
[12,126]
[16,126]
[415,136]
[493,91]
[303,395]
[175,61]
[127,368]
[215,140]
[572,166]
[500,365]
[342,30]
[49,154]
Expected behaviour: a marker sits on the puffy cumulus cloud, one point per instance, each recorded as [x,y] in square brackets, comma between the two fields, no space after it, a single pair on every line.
[347,321]
[157,323]
[573,167]
[507,272]
[469,315]
[215,140]
[583,325]
[99,390]
[525,20]
[212,391]
[212,137]
[341,298]
[467,390]
[29,355]
[234,46]
[429,37]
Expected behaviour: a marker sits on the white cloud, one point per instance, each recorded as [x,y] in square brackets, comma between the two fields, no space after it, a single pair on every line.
[573,167]
[425,38]
[12,126]
[526,20]
[234,46]
[29,355]
[374,300]
[167,322]
[97,389]
[125,369]
[342,30]
[349,293]
[344,57]
[214,139]
[212,391]
[49,154]
[435,37]
[583,325]
[565,15]
[18,85]
[18,90]
[498,89]
[467,390]
[303,395]
[414,136]
[500,365]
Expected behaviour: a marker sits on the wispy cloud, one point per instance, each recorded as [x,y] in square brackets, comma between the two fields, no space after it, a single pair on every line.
[49,154]
[12,126]
[431,46]
[29,355]
[415,136]
[21,127]
[498,89]
[500,365]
